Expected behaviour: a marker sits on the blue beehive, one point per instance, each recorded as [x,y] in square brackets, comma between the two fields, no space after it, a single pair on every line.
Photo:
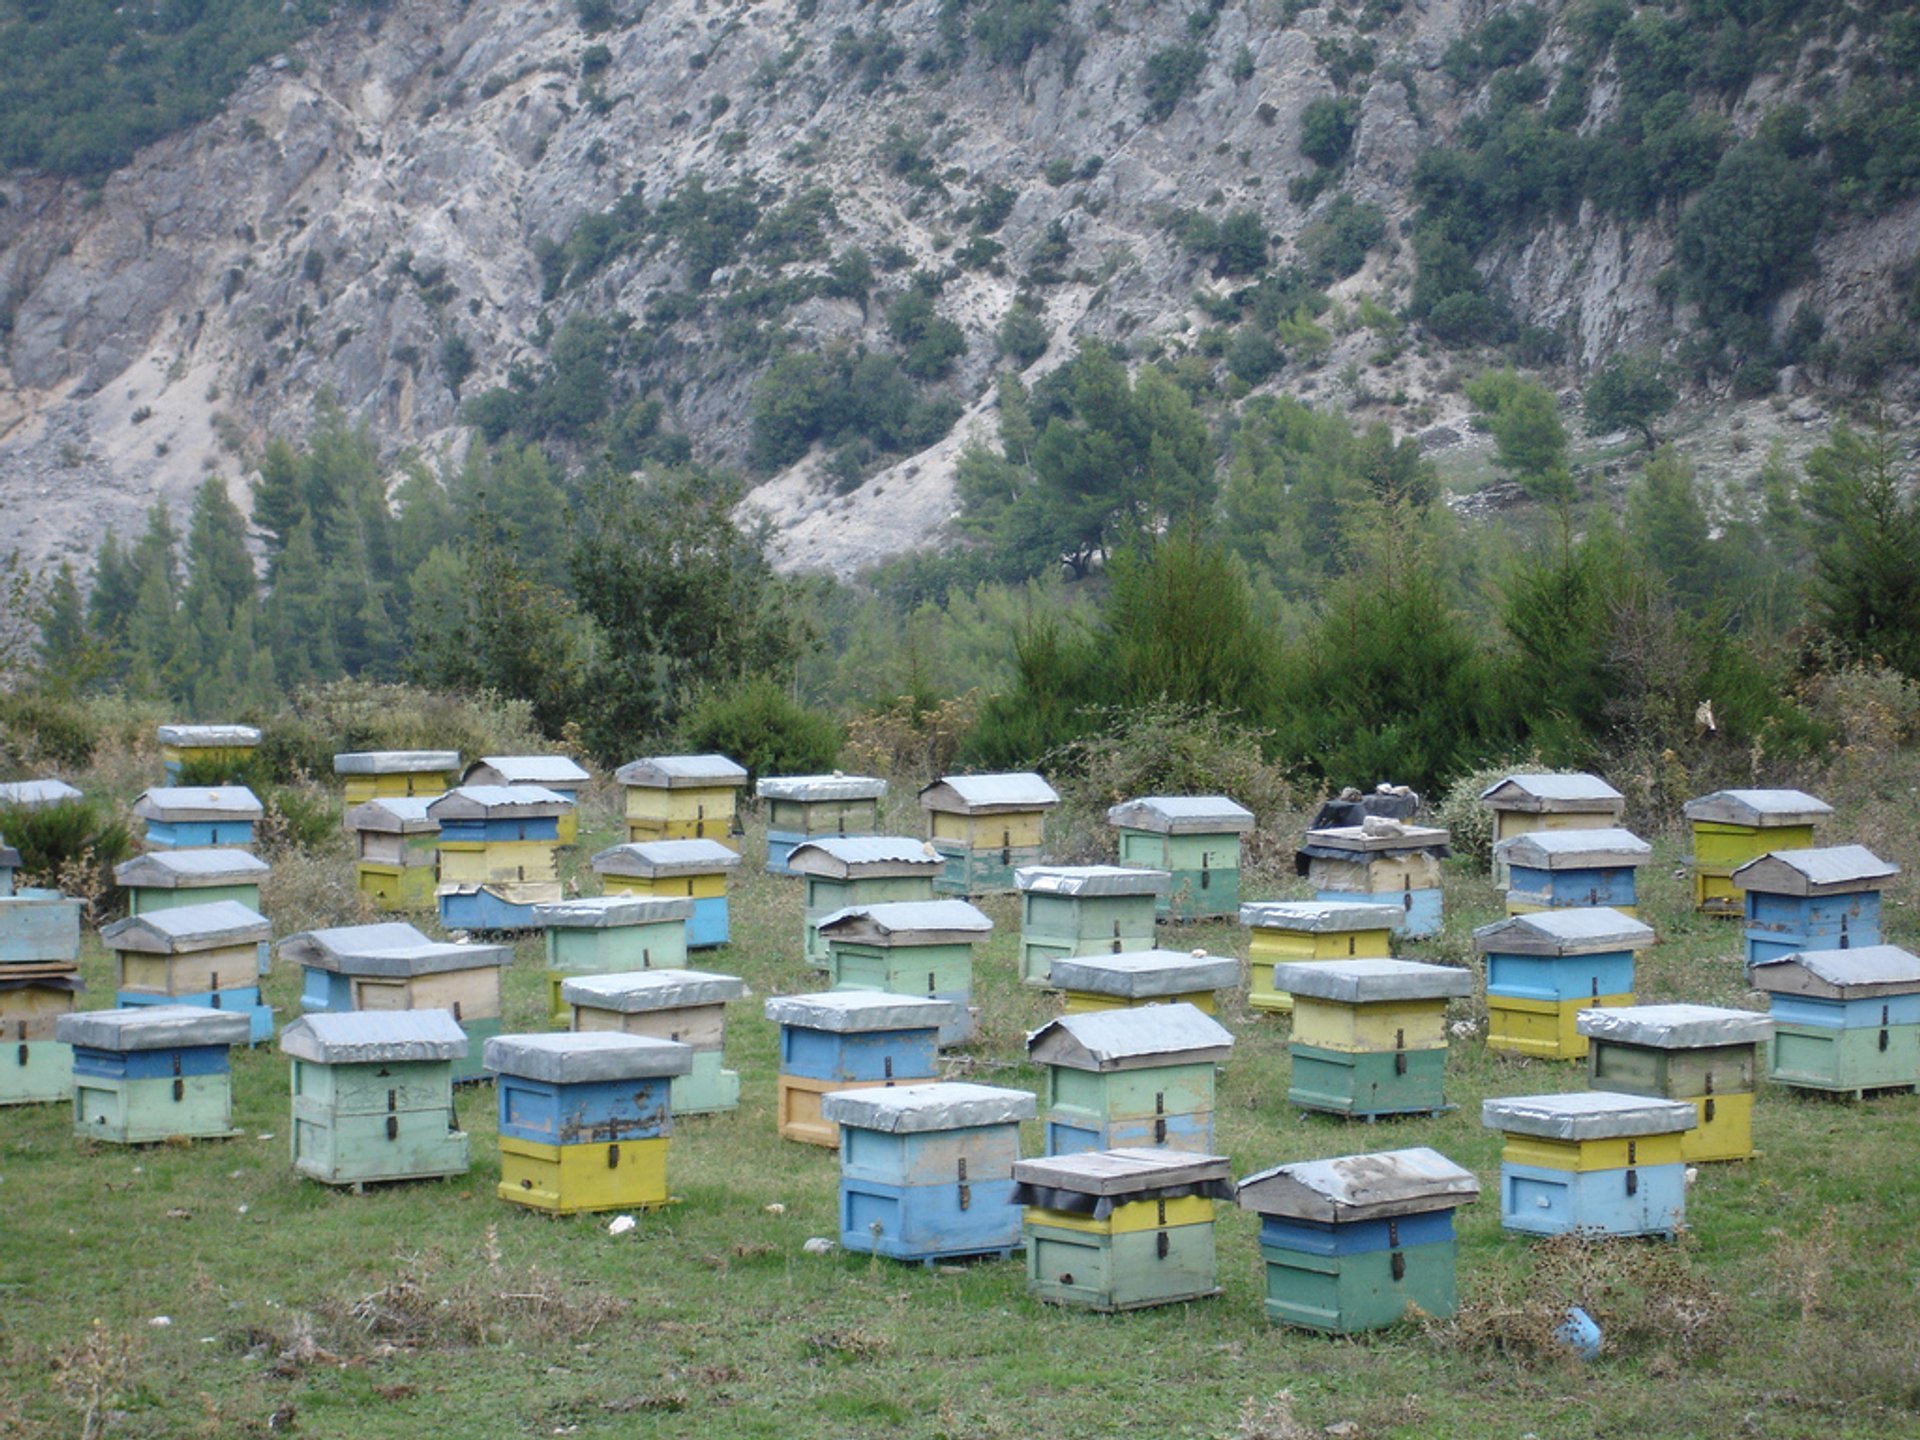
[157,1072]
[555,774]
[694,870]
[805,807]
[206,955]
[1127,1079]
[847,1039]
[192,815]
[1544,968]
[926,1171]
[498,854]
[1570,869]
[1381,862]
[1845,1021]
[1594,1162]
[1823,899]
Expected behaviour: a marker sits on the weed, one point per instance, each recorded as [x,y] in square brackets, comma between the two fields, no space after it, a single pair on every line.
[95,1376]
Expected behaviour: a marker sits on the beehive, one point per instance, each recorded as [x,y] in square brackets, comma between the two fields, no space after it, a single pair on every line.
[1120,1229]
[841,873]
[390,774]
[1543,969]
[607,934]
[1370,1036]
[1351,1243]
[1845,1021]
[1291,932]
[918,947]
[1731,827]
[985,828]
[1827,899]
[1595,1162]
[686,1006]
[848,1040]
[585,1119]
[373,1096]
[1143,977]
[37,926]
[693,870]
[201,955]
[156,1072]
[554,773]
[1704,1055]
[926,1171]
[168,879]
[808,807]
[682,797]
[204,745]
[1567,869]
[1083,910]
[36,1069]
[184,817]
[1382,862]
[392,966]
[1196,840]
[36,794]
[498,854]
[1524,804]
[397,851]
[1119,1079]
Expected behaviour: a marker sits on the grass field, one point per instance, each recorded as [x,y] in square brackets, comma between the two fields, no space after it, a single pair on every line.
[1792,1309]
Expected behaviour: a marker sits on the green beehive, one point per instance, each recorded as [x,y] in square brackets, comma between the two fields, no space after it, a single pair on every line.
[373,1096]
[1083,910]
[608,935]
[152,1073]
[1196,840]
[841,872]
[986,827]
[920,947]
[167,879]
[1130,1079]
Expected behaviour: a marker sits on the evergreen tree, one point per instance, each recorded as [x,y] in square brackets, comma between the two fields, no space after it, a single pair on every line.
[297,617]
[1526,426]
[1865,589]
[279,499]
[68,659]
[1667,524]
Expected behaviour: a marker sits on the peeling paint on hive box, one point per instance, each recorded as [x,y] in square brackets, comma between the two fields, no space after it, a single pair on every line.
[687,1006]
[848,1039]
[1812,900]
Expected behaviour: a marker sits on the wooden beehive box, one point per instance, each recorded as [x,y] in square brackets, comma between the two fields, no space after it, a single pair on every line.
[1288,932]
[1596,1163]
[151,1073]
[1196,840]
[169,879]
[36,794]
[1731,827]
[1544,968]
[390,774]
[841,873]
[1845,1021]
[607,934]
[499,855]
[847,1040]
[191,816]
[1702,1054]
[205,745]
[693,870]
[1143,977]
[1567,869]
[1083,910]
[1522,804]
[1351,1243]
[808,807]
[554,773]
[985,828]
[1370,1036]
[36,1069]
[910,947]
[1826,899]
[686,1006]
[1129,1079]
[397,852]
[926,1171]
[682,797]
[38,925]
[373,1096]
[193,955]
[1383,862]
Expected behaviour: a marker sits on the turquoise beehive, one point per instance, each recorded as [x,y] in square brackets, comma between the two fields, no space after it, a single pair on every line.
[1130,1079]
[1196,840]
[373,1096]
[180,817]
[152,1073]
[840,872]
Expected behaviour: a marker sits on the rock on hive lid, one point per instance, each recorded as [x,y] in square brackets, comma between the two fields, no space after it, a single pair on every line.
[1182,815]
[1587,1115]
[1366,982]
[1676,1027]
[1585,930]
[1360,1187]
[374,1037]
[858,1011]
[1316,917]
[1144,974]
[152,1027]
[635,991]
[1090,881]
[649,859]
[611,912]
[821,787]
[574,1058]
[938,1105]
[1130,1039]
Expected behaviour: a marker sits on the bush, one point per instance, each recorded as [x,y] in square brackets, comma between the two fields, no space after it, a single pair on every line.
[39,729]
[1327,128]
[1171,75]
[71,847]
[758,724]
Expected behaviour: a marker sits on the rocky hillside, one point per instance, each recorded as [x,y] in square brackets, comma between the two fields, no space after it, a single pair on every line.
[621,230]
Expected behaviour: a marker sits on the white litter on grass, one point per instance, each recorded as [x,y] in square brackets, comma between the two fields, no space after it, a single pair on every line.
[264,1135]
[242,1209]
[621,1224]
[776,1208]
[160,1322]
[1692,1173]
[819,1245]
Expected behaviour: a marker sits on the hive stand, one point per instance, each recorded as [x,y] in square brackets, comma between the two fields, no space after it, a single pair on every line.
[1083,910]
[919,947]
[1569,869]
[1287,932]
[391,774]
[808,807]
[156,1072]
[202,744]
[1845,1021]
[499,855]
[1120,1079]
[555,773]
[693,870]
[206,955]
[1351,1243]
[1706,1056]
[686,1006]
[1382,862]
[1826,899]
[1525,804]
[986,827]
[926,1171]
[841,874]
[397,850]
[1120,1229]
[1597,1163]
[1731,827]
[1196,840]
[682,797]
[1543,969]
[195,816]
[610,935]
[848,1040]
[1370,1036]
[373,1096]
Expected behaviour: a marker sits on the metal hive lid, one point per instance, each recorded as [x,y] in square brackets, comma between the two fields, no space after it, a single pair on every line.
[394,814]
[1143,974]
[1130,1039]
[581,1057]
[188,869]
[937,1105]
[1182,815]
[1823,870]
[187,927]
[1116,1174]
[1360,1187]
[1839,974]
[611,912]
[1316,917]
[894,920]
[152,1027]
[841,856]
[33,794]
[858,1012]
[1574,850]
[338,940]
[678,772]
[652,859]
[208,737]
[1550,794]
[525,770]
[1584,930]
[1091,881]
[1379,838]
[395,762]
[636,991]
[1587,1115]
[497,802]
[821,787]
[1676,1027]
[393,950]
[167,803]
[1368,982]
[1022,790]
[374,1037]
[1758,808]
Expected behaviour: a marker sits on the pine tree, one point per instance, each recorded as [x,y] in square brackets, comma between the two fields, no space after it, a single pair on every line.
[1668,525]
[298,622]
[1865,590]
[67,658]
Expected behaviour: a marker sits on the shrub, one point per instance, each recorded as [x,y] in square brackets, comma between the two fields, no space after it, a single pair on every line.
[1326,130]
[763,727]
[1170,76]
[37,728]
[71,847]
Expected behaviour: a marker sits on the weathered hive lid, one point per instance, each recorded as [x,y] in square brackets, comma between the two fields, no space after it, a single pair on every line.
[375,1037]
[1376,838]
[34,794]
[1839,974]
[636,991]
[1370,982]
[524,770]
[908,922]
[1379,1186]
[395,762]
[578,1057]
[187,928]
[855,1012]
[1105,1040]
[611,912]
[1182,815]
[937,1105]
[209,737]
[61,975]
[652,859]
[1830,870]
[1583,930]
[1143,974]
[10,859]
[390,950]
[152,1027]
[682,772]
[821,787]
[1091,881]
[1759,808]
[1070,1182]
[1574,850]
[988,794]
[1676,1027]
[168,803]
[497,802]
[189,869]
[1587,1115]
[310,947]
[1316,917]
[1553,794]
[839,857]
[394,815]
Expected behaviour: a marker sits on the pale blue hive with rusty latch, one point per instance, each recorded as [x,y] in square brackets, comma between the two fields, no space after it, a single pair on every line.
[686,1006]
[1820,899]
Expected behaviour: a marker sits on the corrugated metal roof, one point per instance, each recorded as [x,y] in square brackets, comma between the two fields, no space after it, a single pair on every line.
[1315,917]
[209,737]
[152,1027]
[650,859]
[1107,1039]
[374,1037]
[1365,982]
[632,992]
[168,803]
[525,770]
[1758,807]
[475,802]
[1360,1187]
[1816,871]
[896,917]
[668,772]
[1574,850]
[1585,930]
[821,787]
[838,856]
[189,927]
[1868,969]
[1552,792]
[916,1109]
[584,1057]
[1091,881]
[1676,1027]
[33,794]
[1144,974]
[178,869]
[847,1012]
[1022,790]
[1182,815]
[393,949]
[397,814]
[395,762]
[611,912]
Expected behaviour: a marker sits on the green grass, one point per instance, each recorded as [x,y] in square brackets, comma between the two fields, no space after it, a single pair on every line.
[434,1309]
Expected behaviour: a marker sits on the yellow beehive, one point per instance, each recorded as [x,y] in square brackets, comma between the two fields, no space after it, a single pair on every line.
[1731,827]
[1522,804]
[682,797]
[1291,932]
[375,774]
